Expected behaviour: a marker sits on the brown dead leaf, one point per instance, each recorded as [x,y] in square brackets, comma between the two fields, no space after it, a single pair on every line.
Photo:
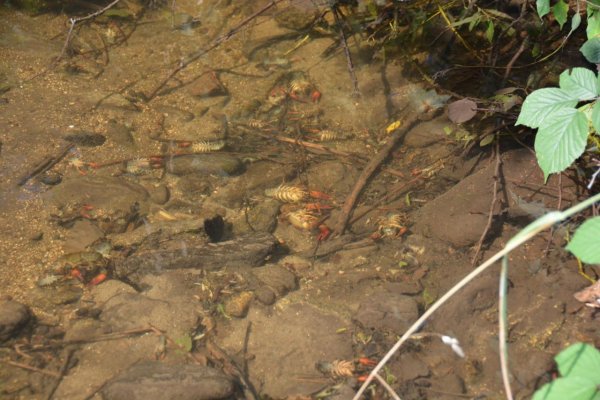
[462,110]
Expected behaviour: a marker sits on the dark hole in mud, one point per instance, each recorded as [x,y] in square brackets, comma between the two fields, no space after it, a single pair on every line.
[214,228]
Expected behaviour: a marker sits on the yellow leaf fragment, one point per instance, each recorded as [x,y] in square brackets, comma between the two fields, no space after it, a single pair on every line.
[393,126]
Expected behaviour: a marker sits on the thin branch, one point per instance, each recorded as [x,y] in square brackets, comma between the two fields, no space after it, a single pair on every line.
[370,168]
[387,387]
[523,236]
[74,21]
[336,16]
[492,204]
[45,165]
[30,368]
[63,371]
[221,39]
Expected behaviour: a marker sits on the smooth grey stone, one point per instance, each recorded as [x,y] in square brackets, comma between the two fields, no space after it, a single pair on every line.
[158,381]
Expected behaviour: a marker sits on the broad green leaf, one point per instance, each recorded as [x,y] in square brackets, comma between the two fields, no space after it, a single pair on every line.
[571,388]
[580,359]
[596,117]
[489,32]
[575,21]
[185,343]
[561,140]
[593,26]
[541,104]
[543,7]
[560,10]
[591,50]
[585,245]
[580,83]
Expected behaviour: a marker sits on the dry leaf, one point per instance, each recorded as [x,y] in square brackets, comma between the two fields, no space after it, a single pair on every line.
[462,111]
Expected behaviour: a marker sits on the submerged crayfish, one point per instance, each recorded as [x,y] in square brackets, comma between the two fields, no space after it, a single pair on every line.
[393,225]
[287,194]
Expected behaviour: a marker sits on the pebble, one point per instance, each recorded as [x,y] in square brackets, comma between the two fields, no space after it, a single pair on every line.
[157,381]
[13,317]
[238,304]
[218,164]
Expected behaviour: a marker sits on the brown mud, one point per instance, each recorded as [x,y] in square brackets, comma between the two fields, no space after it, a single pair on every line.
[217,285]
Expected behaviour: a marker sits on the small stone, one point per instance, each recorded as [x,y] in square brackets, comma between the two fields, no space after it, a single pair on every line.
[265,295]
[207,85]
[157,381]
[238,304]
[13,317]
[218,164]
[279,279]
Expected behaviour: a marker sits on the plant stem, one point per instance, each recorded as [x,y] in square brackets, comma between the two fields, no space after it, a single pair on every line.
[523,236]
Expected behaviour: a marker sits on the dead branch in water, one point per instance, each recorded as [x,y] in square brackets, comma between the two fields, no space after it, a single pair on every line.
[492,204]
[336,16]
[45,165]
[75,21]
[62,373]
[371,167]
[220,40]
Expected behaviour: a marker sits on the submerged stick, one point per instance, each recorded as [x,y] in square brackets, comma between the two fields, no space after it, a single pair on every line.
[340,225]
[221,39]
[45,165]
[353,78]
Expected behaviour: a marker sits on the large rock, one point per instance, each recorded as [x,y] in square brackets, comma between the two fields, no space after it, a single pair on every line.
[217,164]
[286,343]
[388,311]
[158,381]
[460,215]
[13,317]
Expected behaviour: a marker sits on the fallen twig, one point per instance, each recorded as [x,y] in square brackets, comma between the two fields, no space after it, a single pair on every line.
[74,21]
[371,167]
[221,39]
[344,42]
[101,338]
[523,236]
[230,367]
[30,368]
[63,371]
[492,204]
[45,165]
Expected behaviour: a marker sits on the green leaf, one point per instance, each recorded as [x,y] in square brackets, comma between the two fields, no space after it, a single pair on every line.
[596,117]
[593,25]
[580,83]
[580,359]
[585,245]
[474,21]
[591,50]
[489,139]
[572,388]
[541,104]
[561,140]
[575,21]
[489,32]
[543,7]
[185,342]
[560,10]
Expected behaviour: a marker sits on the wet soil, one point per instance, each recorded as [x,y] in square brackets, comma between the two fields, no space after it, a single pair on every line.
[176,244]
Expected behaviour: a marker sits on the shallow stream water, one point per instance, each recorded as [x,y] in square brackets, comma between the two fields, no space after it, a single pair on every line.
[163,204]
